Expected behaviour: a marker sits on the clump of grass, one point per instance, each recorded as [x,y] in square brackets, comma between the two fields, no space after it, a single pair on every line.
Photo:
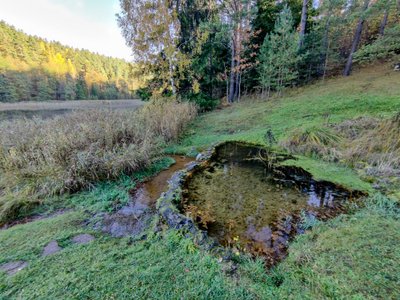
[308,220]
[312,141]
[365,143]
[40,158]
[378,146]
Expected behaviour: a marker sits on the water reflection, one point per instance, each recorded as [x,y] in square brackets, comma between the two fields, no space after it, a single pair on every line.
[243,204]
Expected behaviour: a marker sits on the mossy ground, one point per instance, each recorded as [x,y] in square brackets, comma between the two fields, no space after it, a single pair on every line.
[354,256]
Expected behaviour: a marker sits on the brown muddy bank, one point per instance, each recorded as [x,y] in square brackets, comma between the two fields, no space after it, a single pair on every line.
[134,218]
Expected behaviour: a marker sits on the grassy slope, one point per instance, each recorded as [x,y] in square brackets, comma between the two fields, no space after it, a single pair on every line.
[374,91]
[354,256]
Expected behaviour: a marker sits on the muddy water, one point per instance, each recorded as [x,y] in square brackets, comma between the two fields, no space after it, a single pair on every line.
[134,218]
[244,203]
[151,190]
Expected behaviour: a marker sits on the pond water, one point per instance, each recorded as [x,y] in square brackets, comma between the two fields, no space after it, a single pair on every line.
[30,114]
[49,109]
[245,202]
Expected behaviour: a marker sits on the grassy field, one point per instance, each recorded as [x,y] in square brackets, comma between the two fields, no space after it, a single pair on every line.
[354,256]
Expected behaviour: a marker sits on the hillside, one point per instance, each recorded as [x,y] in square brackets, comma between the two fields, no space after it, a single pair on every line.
[34,69]
[353,256]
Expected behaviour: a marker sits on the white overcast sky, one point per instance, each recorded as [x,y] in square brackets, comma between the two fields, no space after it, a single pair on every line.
[88,24]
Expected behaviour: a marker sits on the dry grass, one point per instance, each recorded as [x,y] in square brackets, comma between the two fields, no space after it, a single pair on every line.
[39,157]
[363,142]
[379,146]
[319,141]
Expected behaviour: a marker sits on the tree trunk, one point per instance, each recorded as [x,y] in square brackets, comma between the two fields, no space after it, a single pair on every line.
[237,84]
[356,40]
[326,45]
[171,77]
[384,22]
[303,23]
[231,94]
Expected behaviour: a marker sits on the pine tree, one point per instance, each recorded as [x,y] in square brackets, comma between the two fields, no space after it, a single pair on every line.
[279,55]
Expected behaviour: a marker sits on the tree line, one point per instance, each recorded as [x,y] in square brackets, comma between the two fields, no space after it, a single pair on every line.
[205,50]
[34,69]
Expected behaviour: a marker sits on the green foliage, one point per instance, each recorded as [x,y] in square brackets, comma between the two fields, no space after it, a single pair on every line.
[279,55]
[385,46]
[33,69]
[144,93]
[312,141]
[204,102]
[308,221]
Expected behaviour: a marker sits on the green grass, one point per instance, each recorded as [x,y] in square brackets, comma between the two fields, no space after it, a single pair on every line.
[104,196]
[167,267]
[353,256]
[373,91]
[335,173]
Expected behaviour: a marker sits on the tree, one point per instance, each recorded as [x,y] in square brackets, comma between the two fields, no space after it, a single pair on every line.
[239,15]
[303,22]
[279,55]
[35,69]
[152,29]
[356,39]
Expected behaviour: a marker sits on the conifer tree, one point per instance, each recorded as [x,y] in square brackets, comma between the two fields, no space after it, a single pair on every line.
[279,55]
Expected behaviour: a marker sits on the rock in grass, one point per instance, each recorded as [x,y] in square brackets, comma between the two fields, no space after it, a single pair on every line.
[83,238]
[13,267]
[51,248]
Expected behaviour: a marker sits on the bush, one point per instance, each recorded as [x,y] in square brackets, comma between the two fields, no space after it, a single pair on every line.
[204,102]
[71,152]
[144,94]
[383,47]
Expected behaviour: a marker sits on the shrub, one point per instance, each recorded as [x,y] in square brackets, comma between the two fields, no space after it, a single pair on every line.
[144,94]
[204,102]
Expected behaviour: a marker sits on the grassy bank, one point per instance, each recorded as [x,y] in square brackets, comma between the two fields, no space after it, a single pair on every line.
[354,256]
[332,121]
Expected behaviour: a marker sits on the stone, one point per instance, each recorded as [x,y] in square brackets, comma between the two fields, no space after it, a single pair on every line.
[84,238]
[13,267]
[51,248]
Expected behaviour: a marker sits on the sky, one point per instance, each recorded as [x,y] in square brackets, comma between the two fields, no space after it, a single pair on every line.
[87,24]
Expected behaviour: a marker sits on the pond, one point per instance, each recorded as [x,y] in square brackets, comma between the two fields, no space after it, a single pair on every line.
[49,109]
[244,199]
